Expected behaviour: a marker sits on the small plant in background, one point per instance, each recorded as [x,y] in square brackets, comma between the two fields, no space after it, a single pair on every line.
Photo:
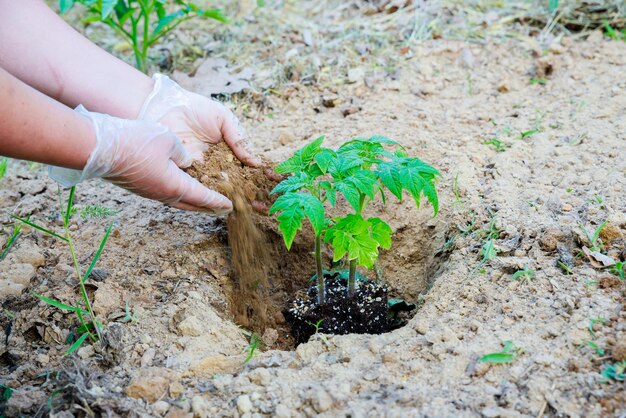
[594,239]
[497,144]
[615,371]
[524,275]
[96,212]
[593,322]
[5,393]
[617,269]
[89,327]
[526,134]
[612,33]
[142,23]
[254,344]
[16,232]
[592,344]
[508,354]
[129,316]
[4,162]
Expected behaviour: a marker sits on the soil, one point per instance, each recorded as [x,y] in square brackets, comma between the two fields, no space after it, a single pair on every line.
[250,256]
[183,352]
[363,313]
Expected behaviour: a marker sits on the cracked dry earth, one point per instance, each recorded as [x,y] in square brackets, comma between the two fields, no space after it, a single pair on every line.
[183,355]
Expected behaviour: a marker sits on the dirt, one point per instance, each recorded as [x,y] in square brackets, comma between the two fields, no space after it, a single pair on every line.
[363,313]
[250,256]
[174,272]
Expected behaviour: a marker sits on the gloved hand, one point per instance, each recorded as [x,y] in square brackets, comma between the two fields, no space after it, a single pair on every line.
[197,120]
[144,158]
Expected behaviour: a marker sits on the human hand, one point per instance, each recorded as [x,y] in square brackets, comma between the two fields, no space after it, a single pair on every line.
[197,120]
[144,158]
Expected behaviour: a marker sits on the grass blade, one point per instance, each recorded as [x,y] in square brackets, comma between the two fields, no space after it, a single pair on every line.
[497,358]
[3,166]
[68,210]
[56,303]
[42,229]
[97,256]
[596,234]
[76,344]
[11,241]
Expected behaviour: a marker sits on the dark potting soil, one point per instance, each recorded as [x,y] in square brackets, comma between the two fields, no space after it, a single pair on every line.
[363,313]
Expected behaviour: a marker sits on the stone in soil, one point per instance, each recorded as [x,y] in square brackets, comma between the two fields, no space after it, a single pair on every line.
[364,313]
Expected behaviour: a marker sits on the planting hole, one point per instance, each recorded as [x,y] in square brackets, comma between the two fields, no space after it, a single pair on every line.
[270,283]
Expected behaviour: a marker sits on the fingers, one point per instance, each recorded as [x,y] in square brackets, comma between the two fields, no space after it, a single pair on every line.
[195,196]
[179,154]
[235,136]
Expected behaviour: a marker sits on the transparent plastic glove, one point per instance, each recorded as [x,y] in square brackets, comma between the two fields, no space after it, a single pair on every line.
[197,120]
[143,158]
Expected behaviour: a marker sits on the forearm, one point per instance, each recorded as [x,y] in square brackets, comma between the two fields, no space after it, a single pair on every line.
[34,127]
[40,49]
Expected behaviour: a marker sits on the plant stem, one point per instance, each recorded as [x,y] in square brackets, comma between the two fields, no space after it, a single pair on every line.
[146,37]
[352,275]
[352,279]
[140,61]
[321,291]
[83,291]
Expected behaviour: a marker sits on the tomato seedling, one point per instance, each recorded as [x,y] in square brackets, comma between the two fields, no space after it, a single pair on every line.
[361,170]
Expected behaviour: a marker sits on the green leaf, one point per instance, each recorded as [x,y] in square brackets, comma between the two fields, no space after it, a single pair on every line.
[166,20]
[290,222]
[123,18]
[352,235]
[379,139]
[27,222]
[314,210]
[77,344]
[331,195]
[388,175]
[97,255]
[350,192]
[497,358]
[381,232]
[57,304]
[107,8]
[364,181]
[508,354]
[526,134]
[160,10]
[301,158]
[344,165]
[294,207]
[488,250]
[5,393]
[418,177]
[4,161]
[213,14]
[293,183]
[88,326]
[65,5]
[553,5]
[68,209]
[323,159]
[90,19]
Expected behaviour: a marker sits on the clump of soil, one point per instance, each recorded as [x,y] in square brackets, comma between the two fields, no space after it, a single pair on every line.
[363,313]
[247,187]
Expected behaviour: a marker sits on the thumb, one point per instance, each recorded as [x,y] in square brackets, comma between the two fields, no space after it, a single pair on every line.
[195,196]
[236,137]
[179,153]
